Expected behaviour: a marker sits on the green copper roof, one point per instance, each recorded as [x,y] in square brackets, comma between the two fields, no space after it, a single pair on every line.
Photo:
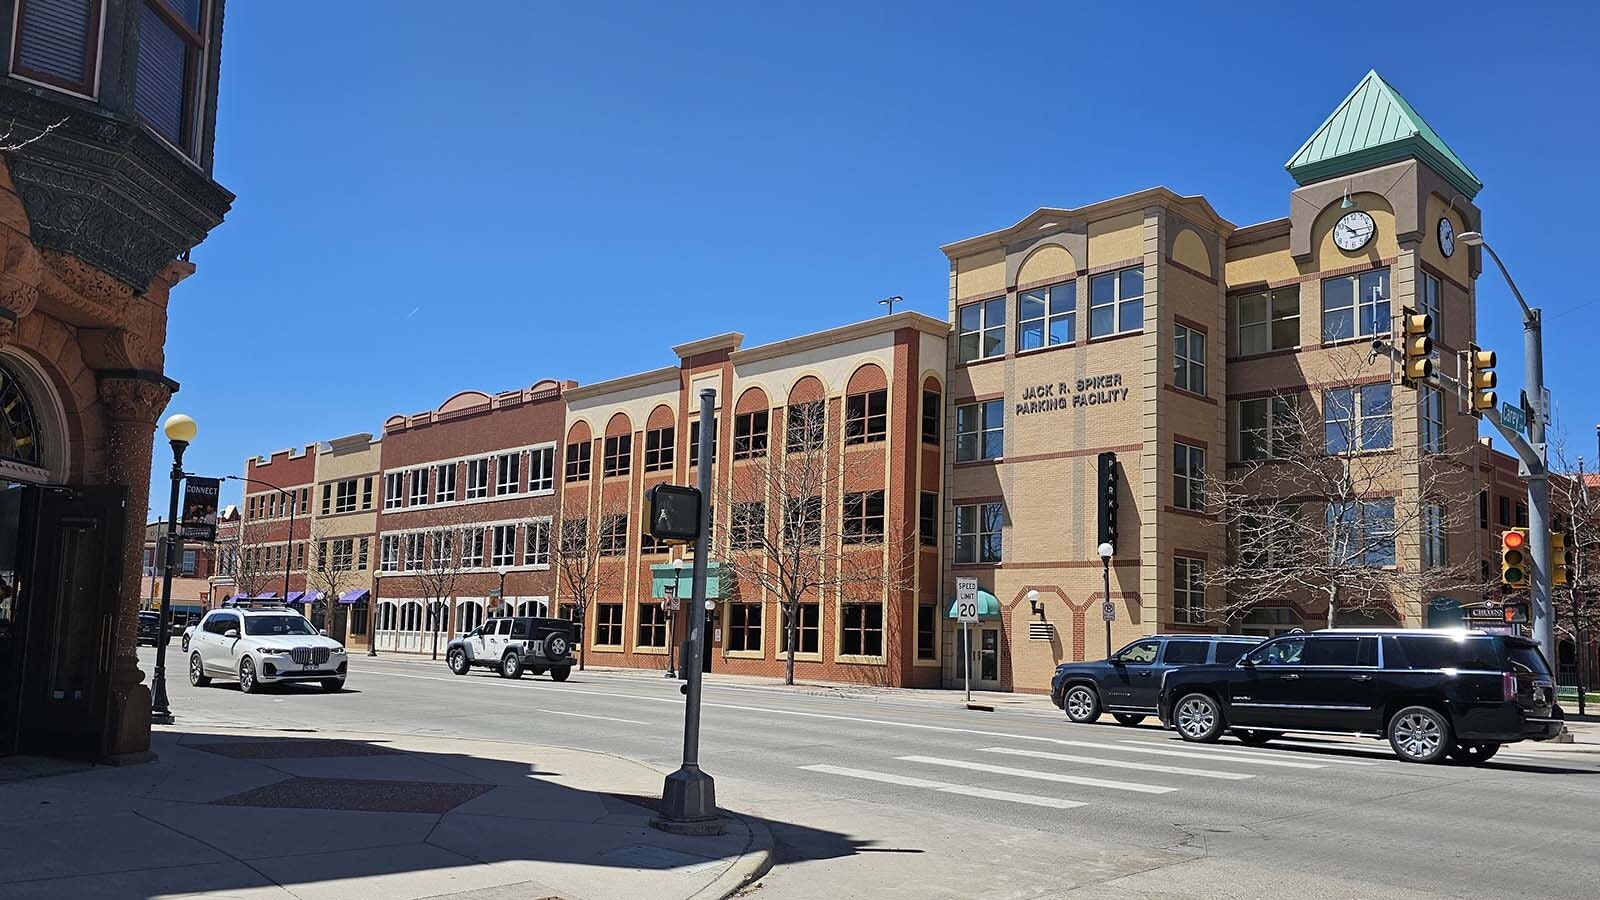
[1375,126]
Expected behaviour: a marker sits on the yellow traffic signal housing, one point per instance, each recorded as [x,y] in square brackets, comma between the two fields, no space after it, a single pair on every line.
[1481,379]
[1560,558]
[1416,345]
[1514,557]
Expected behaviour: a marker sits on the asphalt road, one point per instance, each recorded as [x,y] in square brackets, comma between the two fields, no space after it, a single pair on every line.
[928,799]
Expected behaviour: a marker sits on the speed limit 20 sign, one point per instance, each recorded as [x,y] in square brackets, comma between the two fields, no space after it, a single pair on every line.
[967,599]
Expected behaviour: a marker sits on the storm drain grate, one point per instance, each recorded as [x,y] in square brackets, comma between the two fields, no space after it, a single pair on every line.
[360,795]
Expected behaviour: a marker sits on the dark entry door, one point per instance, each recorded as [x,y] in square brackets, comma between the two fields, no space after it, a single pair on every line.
[18,505]
[71,619]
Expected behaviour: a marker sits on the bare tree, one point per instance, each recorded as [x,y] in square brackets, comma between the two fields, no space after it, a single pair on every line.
[1314,507]
[577,551]
[330,568]
[1577,603]
[437,556]
[252,570]
[800,534]
[10,141]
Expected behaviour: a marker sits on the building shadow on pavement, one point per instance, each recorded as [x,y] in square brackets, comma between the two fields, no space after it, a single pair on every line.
[311,817]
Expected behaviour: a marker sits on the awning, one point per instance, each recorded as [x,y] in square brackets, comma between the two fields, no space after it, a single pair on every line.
[293,598]
[359,595]
[264,595]
[301,598]
[988,607]
[229,601]
[662,576]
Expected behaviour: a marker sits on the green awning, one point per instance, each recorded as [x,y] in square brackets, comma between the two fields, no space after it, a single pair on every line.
[662,575]
[988,606]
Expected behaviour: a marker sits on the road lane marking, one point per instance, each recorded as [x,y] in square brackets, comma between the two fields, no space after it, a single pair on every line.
[1040,776]
[1276,755]
[1120,763]
[945,787]
[557,712]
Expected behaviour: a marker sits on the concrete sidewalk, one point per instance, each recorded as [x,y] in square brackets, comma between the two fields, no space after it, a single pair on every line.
[270,814]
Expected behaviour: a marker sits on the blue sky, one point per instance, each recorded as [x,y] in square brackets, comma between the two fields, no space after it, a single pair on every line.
[431,202]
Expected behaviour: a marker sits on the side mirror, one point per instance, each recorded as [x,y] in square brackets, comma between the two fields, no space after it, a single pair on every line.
[231,634]
[322,631]
[1116,660]
[1246,662]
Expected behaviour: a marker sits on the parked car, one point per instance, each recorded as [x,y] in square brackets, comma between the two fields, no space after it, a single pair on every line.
[1432,693]
[149,628]
[513,645]
[1126,684]
[261,646]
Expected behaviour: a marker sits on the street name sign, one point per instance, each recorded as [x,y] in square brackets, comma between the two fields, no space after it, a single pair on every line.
[967,599]
[1513,417]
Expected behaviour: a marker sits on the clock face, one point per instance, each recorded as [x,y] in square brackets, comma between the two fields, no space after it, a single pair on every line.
[1447,237]
[1354,230]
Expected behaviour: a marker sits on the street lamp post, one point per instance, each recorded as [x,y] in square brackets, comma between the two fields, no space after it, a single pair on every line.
[1542,607]
[180,430]
[1106,552]
[672,618]
[504,603]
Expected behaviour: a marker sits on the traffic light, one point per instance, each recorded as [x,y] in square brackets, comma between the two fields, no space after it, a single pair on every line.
[1480,379]
[1560,557]
[1417,346]
[1106,490]
[1514,557]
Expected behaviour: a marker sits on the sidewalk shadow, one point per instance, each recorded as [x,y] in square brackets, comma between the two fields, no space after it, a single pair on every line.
[222,812]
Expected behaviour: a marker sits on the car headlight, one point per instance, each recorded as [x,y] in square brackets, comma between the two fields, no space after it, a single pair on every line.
[272,650]
[337,651]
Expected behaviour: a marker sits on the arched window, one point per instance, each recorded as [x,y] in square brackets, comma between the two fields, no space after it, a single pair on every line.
[411,616]
[18,428]
[469,615]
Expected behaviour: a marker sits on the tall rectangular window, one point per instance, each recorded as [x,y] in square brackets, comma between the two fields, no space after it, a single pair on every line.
[808,628]
[478,478]
[507,474]
[744,627]
[981,330]
[1428,303]
[541,469]
[504,548]
[932,404]
[866,417]
[419,487]
[444,483]
[618,455]
[608,624]
[1504,509]
[1357,419]
[927,631]
[389,553]
[472,548]
[1188,477]
[614,535]
[658,449]
[58,43]
[928,519]
[1047,316]
[1430,409]
[1189,359]
[802,521]
[861,632]
[415,547]
[1116,302]
[748,526]
[345,496]
[805,426]
[694,441]
[578,461]
[978,533]
[366,492]
[393,490]
[750,434]
[1483,509]
[1433,536]
[1361,533]
[168,72]
[327,499]
[1188,591]
[863,517]
[1269,427]
[361,554]
[1355,305]
[980,430]
[536,542]
[652,630]
[1269,320]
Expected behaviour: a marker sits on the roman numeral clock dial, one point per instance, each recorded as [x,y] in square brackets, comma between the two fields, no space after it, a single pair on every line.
[1353,231]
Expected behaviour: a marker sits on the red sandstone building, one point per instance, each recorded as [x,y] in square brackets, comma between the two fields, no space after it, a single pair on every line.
[469,493]
[276,523]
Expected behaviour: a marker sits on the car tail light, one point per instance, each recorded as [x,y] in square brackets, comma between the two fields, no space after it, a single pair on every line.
[1508,685]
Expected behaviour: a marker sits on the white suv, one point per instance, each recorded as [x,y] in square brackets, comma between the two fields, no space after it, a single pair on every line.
[263,645]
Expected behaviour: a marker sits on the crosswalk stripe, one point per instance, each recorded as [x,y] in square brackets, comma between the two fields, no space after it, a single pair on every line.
[1274,755]
[1040,776]
[1120,764]
[1185,754]
[945,787]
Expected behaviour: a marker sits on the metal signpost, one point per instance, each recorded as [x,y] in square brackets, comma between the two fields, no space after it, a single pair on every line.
[967,613]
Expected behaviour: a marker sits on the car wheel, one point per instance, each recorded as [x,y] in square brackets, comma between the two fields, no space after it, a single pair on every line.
[1255,737]
[184,643]
[1420,735]
[1128,719]
[247,676]
[457,661]
[560,673]
[1473,754]
[1199,718]
[1081,703]
[333,685]
[197,671]
[510,666]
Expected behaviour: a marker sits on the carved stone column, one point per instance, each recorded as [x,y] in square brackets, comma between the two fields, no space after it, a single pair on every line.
[131,401]
[19,281]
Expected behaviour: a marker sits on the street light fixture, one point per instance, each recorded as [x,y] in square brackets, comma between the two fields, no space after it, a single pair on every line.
[1538,475]
[180,430]
[1033,602]
[1106,552]
[504,603]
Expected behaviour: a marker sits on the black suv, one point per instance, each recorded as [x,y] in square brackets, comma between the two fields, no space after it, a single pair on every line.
[513,645]
[1433,693]
[150,628]
[1126,684]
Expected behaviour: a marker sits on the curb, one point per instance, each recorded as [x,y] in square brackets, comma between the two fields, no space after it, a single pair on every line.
[756,861]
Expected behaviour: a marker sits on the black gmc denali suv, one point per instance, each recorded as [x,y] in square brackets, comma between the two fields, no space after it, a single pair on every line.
[1432,693]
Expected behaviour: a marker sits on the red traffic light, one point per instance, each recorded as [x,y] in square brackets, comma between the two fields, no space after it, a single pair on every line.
[1513,540]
